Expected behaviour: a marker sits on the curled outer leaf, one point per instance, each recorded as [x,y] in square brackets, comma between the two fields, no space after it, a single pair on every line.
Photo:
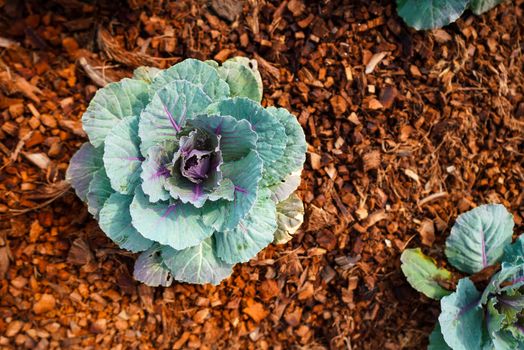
[423,274]
[294,155]
[251,235]
[99,191]
[290,215]
[83,166]
[115,222]
[478,237]
[197,73]
[114,102]
[284,189]
[196,264]
[151,269]
[243,77]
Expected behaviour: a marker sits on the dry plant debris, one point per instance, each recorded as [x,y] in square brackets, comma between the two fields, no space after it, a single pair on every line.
[405,130]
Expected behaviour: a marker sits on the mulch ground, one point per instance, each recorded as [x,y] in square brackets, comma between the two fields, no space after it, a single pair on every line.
[405,130]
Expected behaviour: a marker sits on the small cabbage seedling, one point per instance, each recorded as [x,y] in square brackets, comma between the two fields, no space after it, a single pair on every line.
[431,14]
[492,319]
[185,166]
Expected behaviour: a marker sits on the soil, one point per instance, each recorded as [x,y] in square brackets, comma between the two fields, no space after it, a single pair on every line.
[406,130]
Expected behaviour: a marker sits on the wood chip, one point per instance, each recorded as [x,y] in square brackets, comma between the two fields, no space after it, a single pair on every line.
[46,303]
[256,311]
[371,160]
[427,232]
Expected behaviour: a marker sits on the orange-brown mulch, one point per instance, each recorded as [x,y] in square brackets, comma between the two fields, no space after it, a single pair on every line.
[405,130]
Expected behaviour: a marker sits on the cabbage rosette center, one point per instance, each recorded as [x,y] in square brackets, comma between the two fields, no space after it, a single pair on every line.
[185,166]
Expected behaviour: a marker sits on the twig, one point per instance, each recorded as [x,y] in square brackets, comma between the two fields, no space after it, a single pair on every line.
[17,212]
[432,197]
[20,145]
[95,76]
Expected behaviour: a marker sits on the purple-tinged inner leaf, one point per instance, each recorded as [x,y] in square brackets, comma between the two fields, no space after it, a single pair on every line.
[199,157]
[196,165]
[515,302]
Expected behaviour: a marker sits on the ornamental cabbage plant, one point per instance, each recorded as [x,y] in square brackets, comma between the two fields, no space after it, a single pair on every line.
[473,319]
[431,14]
[185,166]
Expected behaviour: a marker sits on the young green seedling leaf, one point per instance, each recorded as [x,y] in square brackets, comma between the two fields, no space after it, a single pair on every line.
[423,274]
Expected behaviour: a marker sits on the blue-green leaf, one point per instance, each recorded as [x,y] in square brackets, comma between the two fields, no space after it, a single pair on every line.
[430,14]
[294,154]
[115,221]
[423,274]
[82,167]
[99,191]
[168,111]
[478,237]
[271,133]
[461,317]
[436,340]
[245,174]
[290,215]
[122,157]
[225,191]
[252,234]
[151,270]
[177,225]
[197,72]
[478,7]
[115,101]
[243,78]
[236,137]
[197,264]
